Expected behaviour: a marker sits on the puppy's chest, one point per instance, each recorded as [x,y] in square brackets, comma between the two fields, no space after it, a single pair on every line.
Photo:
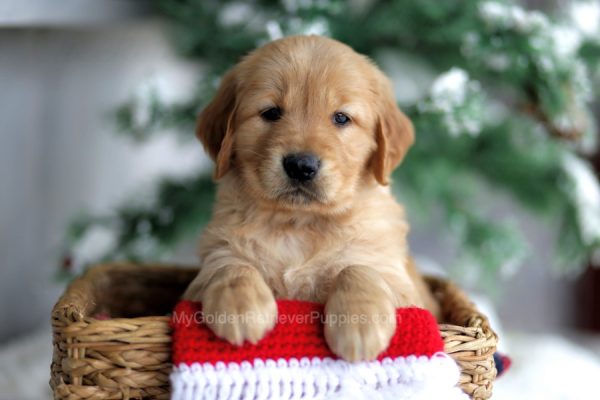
[295,263]
[286,249]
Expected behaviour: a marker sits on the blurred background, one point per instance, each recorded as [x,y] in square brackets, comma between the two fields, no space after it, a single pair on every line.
[98,159]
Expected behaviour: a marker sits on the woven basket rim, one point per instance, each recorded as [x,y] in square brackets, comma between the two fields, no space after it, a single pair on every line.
[71,297]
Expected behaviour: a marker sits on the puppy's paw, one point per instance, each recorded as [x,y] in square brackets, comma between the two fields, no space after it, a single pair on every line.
[358,330]
[239,309]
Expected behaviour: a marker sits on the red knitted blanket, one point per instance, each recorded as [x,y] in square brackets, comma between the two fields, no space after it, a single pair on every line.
[294,361]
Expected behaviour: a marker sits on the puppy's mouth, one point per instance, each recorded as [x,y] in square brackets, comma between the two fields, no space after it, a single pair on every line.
[301,194]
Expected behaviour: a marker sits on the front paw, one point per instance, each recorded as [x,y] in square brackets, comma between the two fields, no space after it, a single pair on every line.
[239,309]
[358,330]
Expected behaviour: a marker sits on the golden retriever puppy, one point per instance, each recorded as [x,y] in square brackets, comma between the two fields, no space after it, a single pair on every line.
[305,133]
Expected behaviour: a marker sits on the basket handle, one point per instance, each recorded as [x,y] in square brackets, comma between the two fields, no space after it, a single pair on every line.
[79,299]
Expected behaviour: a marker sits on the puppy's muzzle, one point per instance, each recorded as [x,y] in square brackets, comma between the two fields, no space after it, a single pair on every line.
[301,167]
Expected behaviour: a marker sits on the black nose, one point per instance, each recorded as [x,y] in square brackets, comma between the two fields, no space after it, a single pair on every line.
[301,166]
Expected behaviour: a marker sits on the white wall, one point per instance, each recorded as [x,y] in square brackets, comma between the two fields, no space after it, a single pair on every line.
[58,152]
[69,12]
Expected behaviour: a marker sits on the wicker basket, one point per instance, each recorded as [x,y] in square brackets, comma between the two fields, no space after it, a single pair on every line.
[128,355]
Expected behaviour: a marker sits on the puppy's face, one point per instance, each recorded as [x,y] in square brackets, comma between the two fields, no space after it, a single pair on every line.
[305,122]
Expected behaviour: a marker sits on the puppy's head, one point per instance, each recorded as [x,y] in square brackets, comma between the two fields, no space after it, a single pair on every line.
[305,122]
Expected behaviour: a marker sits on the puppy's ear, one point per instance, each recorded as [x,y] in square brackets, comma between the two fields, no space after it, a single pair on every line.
[394,134]
[216,125]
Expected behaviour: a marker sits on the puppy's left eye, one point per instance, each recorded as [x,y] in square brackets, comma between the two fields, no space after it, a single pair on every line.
[271,114]
[341,119]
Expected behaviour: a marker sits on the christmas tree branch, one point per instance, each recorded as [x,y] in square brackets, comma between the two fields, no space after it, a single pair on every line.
[181,207]
[535,110]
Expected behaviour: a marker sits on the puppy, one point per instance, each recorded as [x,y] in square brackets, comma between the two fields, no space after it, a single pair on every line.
[305,133]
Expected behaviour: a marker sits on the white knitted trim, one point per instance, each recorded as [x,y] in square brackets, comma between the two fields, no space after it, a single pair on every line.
[417,378]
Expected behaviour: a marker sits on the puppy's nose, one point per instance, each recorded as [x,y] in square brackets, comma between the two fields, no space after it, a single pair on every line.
[301,166]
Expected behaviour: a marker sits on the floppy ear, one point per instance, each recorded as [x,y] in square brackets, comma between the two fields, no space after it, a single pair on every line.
[216,125]
[394,134]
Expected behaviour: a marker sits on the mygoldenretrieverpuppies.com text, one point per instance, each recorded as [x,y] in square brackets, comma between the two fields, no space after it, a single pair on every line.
[300,318]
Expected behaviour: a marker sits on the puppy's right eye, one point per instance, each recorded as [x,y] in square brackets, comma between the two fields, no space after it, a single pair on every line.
[271,114]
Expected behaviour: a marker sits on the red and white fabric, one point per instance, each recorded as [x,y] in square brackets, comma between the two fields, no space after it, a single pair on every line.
[294,362]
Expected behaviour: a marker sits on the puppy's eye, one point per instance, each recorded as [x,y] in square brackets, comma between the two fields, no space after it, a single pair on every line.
[271,114]
[341,119]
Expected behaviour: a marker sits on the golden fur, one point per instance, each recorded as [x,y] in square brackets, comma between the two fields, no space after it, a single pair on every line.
[341,242]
